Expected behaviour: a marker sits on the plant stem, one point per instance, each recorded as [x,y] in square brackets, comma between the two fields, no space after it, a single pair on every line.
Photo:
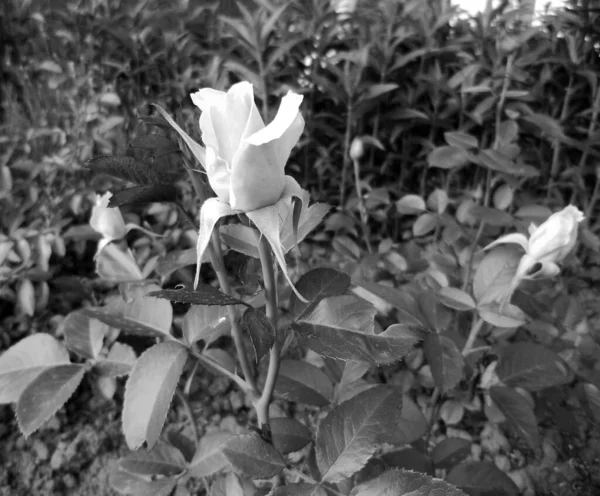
[190,414]
[346,152]
[362,208]
[473,333]
[262,404]
[216,258]
[217,366]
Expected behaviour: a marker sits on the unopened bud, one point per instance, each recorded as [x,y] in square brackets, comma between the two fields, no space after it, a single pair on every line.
[357,150]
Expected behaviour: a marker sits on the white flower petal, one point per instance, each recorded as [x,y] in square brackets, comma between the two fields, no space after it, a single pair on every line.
[286,116]
[267,222]
[211,211]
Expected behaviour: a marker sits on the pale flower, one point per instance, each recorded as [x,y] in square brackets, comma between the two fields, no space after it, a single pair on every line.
[109,222]
[244,161]
[547,246]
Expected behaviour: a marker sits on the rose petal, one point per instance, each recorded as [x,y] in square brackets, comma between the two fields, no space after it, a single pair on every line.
[211,211]
[267,222]
[219,175]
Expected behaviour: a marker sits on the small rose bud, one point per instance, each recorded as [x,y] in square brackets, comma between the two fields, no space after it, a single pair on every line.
[357,149]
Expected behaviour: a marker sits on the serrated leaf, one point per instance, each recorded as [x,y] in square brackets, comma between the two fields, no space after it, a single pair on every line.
[253,457]
[149,391]
[445,360]
[135,485]
[26,360]
[482,479]
[448,157]
[119,322]
[450,452]
[163,460]
[461,140]
[347,438]
[44,396]
[143,194]
[175,260]
[405,482]
[202,295]
[117,265]
[288,434]
[240,238]
[84,335]
[456,298]
[129,169]
[301,489]
[119,362]
[408,459]
[343,327]
[260,330]
[205,322]
[518,412]
[316,285]
[531,366]
[209,458]
[157,144]
[302,382]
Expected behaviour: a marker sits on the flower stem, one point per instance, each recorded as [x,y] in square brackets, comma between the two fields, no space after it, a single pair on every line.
[190,414]
[473,333]
[262,404]
[216,258]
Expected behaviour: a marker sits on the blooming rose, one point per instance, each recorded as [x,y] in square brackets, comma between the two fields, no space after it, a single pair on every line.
[547,245]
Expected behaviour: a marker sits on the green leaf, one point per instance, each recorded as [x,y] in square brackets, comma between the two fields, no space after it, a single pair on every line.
[347,438]
[117,265]
[205,322]
[409,459]
[289,435]
[405,482]
[176,260]
[410,205]
[316,285]
[149,391]
[411,425]
[240,238]
[482,479]
[448,157]
[202,295]
[43,396]
[118,321]
[518,412]
[209,458]
[437,201]
[461,140]
[494,274]
[129,169]
[119,362]
[425,224]
[143,194]
[531,366]
[135,485]
[502,315]
[498,162]
[84,335]
[456,298]
[343,327]
[26,360]
[260,330]
[445,360]
[301,489]
[253,457]
[450,452]
[491,216]
[402,301]
[302,382]
[163,460]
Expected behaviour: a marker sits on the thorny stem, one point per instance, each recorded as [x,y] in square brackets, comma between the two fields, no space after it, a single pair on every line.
[190,414]
[216,257]
[473,333]
[262,404]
